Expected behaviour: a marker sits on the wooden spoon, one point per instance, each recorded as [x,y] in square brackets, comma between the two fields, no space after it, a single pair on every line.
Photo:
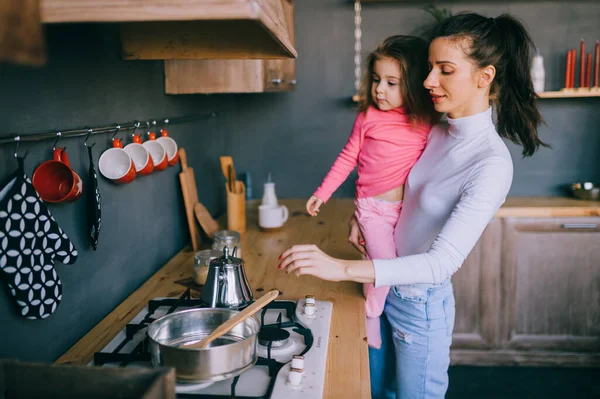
[235,320]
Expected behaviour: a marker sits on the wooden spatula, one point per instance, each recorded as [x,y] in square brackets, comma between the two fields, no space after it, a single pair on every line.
[235,320]
[209,225]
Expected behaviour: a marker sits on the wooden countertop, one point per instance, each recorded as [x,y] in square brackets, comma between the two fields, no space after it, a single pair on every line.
[347,359]
[347,362]
[548,207]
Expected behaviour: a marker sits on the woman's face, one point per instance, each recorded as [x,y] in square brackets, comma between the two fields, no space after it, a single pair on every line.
[454,82]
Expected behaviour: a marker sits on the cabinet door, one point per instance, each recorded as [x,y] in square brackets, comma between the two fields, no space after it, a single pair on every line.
[477,292]
[234,75]
[551,284]
[280,74]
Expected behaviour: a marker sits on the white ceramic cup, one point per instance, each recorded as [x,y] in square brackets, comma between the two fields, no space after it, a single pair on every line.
[116,164]
[140,157]
[272,217]
[157,153]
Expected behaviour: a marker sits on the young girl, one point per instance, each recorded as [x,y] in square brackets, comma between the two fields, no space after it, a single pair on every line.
[389,135]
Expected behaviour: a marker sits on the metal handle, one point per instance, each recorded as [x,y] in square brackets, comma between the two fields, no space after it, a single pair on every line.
[279,81]
[579,226]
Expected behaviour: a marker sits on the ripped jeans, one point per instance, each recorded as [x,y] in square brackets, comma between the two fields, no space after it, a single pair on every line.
[413,360]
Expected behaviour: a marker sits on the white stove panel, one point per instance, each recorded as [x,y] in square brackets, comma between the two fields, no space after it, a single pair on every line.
[255,381]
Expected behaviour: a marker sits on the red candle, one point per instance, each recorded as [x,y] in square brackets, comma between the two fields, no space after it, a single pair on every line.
[597,62]
[582,64]
[588,70]
[573,62]
[568,70]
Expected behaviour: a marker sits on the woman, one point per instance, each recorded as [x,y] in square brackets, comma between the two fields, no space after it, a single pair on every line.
[451,194]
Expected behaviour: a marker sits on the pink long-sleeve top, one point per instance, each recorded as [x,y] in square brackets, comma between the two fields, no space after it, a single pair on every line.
[385,145]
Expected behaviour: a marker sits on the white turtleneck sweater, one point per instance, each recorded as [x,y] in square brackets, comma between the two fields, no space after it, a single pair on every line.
[451,194]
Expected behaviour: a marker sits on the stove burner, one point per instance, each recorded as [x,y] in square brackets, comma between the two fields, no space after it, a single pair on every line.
[277,337]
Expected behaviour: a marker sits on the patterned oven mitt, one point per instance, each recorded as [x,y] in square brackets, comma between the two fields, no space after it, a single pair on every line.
[30,242]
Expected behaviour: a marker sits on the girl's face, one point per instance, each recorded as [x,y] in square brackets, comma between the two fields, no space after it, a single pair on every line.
[455,84]
[385,86]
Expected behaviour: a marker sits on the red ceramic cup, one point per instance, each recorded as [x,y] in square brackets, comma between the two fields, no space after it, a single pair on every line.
[170,146]
[55,181]
[157,152]
[116,165]
[140,156]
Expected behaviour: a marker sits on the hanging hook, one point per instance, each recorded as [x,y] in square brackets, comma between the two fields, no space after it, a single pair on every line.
[164,125]
[58,135]
[136,125]
[87,138]
[117,128]
[18,140]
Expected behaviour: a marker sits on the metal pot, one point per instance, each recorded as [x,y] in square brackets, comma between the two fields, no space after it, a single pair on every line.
[226,284]
[224,358]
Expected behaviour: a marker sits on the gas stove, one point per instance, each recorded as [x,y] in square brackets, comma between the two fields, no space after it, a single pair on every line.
[292,350]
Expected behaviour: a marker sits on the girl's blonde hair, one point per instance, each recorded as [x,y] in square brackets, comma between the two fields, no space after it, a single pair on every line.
[411,53]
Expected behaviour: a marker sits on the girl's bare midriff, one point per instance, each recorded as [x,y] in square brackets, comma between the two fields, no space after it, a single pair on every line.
[395,194]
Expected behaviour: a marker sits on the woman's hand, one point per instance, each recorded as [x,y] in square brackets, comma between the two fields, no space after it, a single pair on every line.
[313,204]
[309,259]
[355,236]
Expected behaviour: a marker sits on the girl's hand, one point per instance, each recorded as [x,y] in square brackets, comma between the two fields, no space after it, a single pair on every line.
[355,237]
[309,259]
[312,205]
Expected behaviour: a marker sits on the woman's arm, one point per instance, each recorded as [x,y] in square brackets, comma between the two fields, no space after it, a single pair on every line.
[481,198]
[482,195]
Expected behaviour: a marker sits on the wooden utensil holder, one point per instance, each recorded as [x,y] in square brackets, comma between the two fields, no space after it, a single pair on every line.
[236,207]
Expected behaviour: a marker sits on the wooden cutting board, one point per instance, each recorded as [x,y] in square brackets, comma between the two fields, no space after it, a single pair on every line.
[190,197]
[194,210]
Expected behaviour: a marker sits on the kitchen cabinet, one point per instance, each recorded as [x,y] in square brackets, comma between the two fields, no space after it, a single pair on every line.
[477,293]
[551,284]
[529,293]
[234,76]
[185,29]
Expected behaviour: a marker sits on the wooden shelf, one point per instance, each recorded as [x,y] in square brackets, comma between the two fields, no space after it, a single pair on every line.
[259,23]
[572,93]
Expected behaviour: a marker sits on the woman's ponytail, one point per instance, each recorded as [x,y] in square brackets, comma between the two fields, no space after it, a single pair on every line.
[518,116]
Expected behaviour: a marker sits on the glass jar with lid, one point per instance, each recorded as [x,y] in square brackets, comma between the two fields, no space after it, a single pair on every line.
[229,239]
[201,262]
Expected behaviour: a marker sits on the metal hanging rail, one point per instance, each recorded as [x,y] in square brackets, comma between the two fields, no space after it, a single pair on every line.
[103,129]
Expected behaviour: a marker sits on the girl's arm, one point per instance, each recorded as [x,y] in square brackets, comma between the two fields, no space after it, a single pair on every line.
[345,162]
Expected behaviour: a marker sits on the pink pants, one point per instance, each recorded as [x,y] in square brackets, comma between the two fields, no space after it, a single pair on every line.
[377,220]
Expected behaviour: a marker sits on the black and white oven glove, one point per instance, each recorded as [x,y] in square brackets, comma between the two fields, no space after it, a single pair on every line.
[30,242]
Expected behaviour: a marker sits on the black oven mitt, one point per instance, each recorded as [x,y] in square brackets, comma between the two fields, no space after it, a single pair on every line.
[93,197]
[30,242]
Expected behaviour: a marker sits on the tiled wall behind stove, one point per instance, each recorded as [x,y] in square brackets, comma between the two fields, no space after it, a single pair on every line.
[294,135]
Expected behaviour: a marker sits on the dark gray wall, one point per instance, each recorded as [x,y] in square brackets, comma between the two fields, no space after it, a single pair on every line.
[294,135]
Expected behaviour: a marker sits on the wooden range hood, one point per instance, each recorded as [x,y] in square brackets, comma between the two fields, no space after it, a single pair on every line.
[185,29]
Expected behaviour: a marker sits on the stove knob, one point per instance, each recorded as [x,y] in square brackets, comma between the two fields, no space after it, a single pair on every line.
[309,299]
[295,376]
[298,362]
[309,309]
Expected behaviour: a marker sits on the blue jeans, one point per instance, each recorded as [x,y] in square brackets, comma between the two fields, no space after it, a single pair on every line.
[416,332]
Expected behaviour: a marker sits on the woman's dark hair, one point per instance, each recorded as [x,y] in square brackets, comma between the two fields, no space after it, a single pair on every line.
[411,53]
[504,43]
